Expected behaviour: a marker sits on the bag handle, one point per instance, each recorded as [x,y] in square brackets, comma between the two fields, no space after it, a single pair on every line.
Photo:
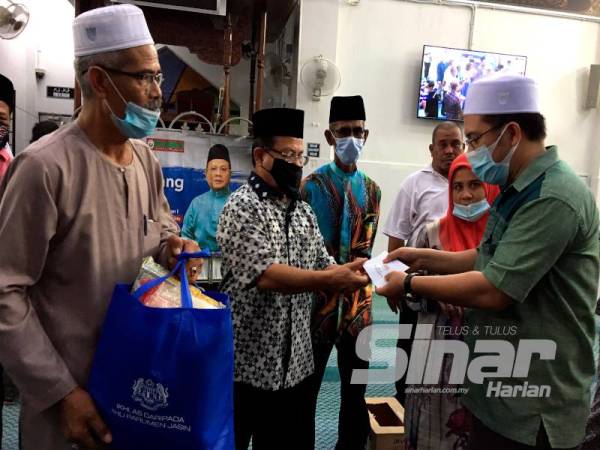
[186,296]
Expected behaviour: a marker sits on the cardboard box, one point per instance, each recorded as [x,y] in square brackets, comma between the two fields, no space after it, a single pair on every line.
[386,415]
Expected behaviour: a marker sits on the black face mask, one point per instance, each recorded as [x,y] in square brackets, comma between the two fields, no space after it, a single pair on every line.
[288,177]
[3,136]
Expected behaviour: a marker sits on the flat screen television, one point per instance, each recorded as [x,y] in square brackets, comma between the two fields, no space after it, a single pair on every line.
[447,73]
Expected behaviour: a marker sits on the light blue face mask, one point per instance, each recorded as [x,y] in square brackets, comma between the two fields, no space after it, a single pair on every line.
[484,166]
[472,212]
[138,123]
[348,149]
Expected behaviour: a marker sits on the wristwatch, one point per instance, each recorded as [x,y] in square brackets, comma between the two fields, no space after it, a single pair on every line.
[408,292]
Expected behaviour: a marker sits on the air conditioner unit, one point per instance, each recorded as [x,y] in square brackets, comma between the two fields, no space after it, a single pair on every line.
[215,7]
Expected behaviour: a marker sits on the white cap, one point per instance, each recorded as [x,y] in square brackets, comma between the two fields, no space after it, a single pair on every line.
[110,28]
[505,94]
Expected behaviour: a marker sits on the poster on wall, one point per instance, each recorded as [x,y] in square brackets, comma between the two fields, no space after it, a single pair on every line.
[200,171]
[183,160]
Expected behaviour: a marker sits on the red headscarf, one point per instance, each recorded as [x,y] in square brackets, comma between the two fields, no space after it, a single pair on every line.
[458,234]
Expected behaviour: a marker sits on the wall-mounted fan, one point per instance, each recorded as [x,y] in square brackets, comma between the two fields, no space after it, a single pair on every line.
[320,77]
[13,20]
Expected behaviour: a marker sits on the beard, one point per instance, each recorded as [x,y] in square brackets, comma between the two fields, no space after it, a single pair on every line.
[153,105]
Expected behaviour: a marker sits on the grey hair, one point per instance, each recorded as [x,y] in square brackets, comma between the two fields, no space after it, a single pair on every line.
[262,142]
[82,64]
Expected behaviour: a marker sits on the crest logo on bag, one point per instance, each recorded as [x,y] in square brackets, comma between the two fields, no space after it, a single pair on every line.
[149,394]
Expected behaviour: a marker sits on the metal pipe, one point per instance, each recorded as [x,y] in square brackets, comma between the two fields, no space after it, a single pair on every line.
[252,103]
[228,51]
[193,113]
[472,27]
[510,8]
[527,10]
[241,119]
[261,61]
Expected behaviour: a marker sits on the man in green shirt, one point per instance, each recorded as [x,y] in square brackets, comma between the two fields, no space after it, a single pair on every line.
[534,277]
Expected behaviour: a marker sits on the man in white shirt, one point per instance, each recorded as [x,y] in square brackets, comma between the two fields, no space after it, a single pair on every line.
[422,198]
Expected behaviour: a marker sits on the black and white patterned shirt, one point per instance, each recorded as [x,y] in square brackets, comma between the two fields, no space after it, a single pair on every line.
[272,339]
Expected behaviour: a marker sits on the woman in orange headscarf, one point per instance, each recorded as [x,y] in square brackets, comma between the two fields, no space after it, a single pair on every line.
[437,421]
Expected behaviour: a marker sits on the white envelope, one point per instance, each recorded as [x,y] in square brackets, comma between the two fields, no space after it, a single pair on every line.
[377,269]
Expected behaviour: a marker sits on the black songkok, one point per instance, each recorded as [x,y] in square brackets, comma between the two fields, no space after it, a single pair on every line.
[347,108]
[218,151]
[278,122]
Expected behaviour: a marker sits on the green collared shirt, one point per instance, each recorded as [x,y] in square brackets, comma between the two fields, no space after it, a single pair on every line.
[540,248]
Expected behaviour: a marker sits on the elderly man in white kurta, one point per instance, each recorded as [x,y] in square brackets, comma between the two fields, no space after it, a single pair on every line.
[79,209]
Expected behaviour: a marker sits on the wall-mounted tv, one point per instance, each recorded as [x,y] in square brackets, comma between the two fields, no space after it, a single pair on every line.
[447,73]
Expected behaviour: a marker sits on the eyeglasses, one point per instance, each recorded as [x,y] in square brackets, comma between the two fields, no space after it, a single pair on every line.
[289,156]
[357,132]
[470,142]
[145,77]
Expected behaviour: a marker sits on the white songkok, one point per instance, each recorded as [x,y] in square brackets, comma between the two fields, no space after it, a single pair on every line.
[506,94]
[110,28]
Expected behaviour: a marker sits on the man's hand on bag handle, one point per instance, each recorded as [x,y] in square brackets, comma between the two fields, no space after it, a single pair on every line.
[81,422]
[178,245]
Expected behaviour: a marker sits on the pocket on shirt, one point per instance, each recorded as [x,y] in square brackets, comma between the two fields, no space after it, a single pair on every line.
[152,238]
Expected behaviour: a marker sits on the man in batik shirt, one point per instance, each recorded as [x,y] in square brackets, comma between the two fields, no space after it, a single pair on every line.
[346,203]
[274,259]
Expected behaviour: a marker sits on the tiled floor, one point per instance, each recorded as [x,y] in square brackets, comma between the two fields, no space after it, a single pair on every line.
[329,396]
[10,420]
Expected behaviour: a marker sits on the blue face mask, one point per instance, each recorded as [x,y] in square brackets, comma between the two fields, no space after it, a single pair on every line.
[348,149]
[138,123]
[472,212]
[484,166]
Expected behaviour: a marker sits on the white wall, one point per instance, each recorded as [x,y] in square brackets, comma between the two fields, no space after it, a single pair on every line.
[318,36]
[559,52]
[49,30]
[378,50]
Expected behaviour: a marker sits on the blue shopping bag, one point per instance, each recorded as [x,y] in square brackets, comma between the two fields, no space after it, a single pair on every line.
[163,378]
